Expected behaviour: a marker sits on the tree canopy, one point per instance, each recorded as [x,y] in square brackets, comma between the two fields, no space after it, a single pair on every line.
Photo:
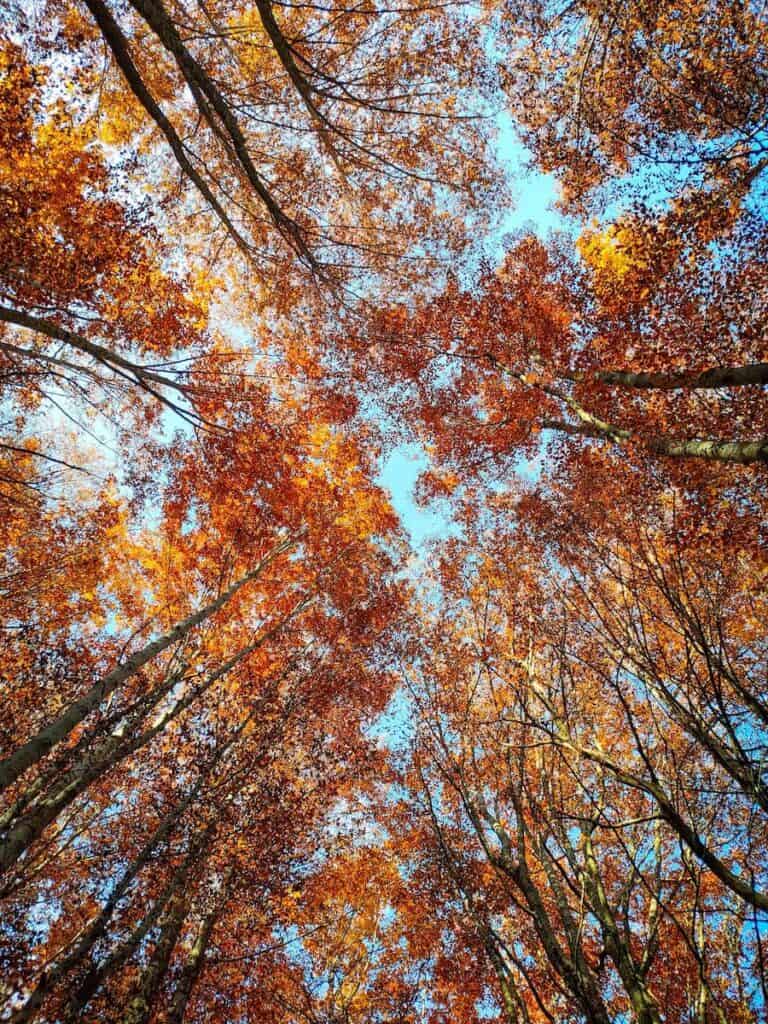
[264,757]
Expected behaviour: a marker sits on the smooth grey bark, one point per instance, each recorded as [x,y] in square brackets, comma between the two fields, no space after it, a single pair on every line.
[140,1004]
[56,767]
[572,968]
[195,960]
[743,452]
[98,973]
[97,928]
[218,114]
[118,44]
[711,449]
[645,1009]
[667,810]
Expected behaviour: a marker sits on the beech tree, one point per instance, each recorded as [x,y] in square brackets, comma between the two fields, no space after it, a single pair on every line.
[536,347]
[308,122]
[565,832]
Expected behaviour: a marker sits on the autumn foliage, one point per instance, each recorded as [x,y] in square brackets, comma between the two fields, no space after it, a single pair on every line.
[264,757]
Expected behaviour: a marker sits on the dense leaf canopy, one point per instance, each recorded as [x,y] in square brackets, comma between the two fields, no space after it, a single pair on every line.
[264,758]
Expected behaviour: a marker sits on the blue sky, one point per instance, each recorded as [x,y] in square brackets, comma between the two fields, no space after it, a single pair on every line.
[399,473]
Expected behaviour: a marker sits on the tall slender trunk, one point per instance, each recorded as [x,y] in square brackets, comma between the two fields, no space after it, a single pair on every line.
[577,976]
[575,972]
[118,44]
[193,965]
[20,832]
[175,890]
[53,770]
[688,834]
[714,450]
[711,449]
[645,1009]
[219,115]
[42,742]
[98,925]
[141,1002]
[514,1007]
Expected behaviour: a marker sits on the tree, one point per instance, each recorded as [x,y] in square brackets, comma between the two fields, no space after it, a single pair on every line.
[524,779]
[530,350]
[309,120]
[261,759]
[602,94]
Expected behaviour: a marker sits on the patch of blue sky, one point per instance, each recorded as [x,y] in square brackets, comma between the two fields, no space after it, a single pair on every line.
[395,728]
[535,193]
[534,210]
[428,523]
[400,470]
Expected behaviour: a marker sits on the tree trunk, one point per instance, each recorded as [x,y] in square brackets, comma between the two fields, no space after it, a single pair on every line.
[118,44]
[743,452]
[195,960]
[217,113]
[21,832]
[173,893]
[645,1010]
[98,925]
[514,1007]
[688,834]
[575,972]
[39,745]
[717,377]
[53,771]
[140,1005]
[712,449]
[30,826]
[94,978]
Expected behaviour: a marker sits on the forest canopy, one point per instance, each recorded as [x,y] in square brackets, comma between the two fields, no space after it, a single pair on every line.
[268,755]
